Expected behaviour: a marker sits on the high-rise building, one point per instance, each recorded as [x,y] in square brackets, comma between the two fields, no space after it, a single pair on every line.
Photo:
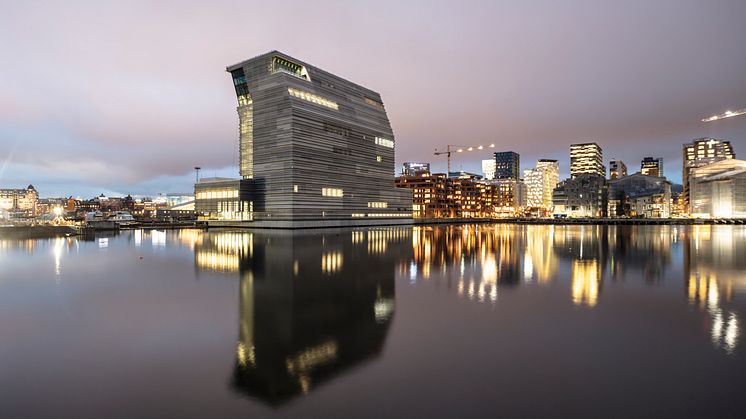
[540,183]
[651,166]
[315,149]
[488,169]
[586,158]
[617,169]
[507,165]
[698,153]
[412,169]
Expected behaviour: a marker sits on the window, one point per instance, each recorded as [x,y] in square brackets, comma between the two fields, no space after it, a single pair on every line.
[385,142]
[310,97]
[295,188]
[378,159]
[332,192]
[378,204]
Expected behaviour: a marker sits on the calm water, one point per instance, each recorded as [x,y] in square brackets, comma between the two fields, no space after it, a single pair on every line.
[448,321]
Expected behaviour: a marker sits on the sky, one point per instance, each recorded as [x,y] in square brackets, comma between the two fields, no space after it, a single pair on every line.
[127,97]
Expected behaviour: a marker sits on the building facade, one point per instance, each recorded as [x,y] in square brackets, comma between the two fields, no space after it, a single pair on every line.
[583,196]
[701,152]
[586,158]
[540,183]
[19,200]
[640,196]
[718,190]
[315,149]
[651,166]
[617,169]
[507,165]
[488,169]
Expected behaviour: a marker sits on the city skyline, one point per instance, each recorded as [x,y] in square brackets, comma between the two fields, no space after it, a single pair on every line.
[104,109]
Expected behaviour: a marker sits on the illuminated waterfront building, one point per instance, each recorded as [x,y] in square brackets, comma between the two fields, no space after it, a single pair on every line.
[540,183]
[19,200]
[583,196]
[586,158]
[639,195]
[617,169]
[718,190]
[701,152]
[652,166]
[414,169]
[315,149]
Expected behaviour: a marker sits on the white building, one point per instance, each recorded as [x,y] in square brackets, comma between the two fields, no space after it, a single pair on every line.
[488,168]
[718,190]
[540,183]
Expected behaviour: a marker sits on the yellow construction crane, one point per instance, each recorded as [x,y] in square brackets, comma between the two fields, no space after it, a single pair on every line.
[460,149]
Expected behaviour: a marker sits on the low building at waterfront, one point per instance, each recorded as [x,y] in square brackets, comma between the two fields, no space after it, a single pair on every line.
[19,200]
[639,195]
[583,196]
[439,196]
[223,199]
[702,152]
[718,190]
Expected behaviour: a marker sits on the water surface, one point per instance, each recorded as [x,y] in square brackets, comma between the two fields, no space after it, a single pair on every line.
[443,321]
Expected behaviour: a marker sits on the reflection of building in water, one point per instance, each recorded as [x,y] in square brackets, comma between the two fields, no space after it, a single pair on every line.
[224,251]
[714,269]
[478,257]
[539,260]
[586,282]
[644,248]
[311,304]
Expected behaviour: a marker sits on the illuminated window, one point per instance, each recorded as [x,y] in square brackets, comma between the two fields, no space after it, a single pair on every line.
[295,188]
[378,205]
[310,97]
[378,159]
[385,142]
[332,192]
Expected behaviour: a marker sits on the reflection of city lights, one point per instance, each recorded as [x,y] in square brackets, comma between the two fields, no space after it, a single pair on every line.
[331,262]
[585,282]
[158,237]
[103,243]
[384,309]
[216,261]
[138,237]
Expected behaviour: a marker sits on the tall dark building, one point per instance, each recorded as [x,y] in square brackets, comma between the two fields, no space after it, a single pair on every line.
[617,169]
[650,166]
[315,149]
[507,165]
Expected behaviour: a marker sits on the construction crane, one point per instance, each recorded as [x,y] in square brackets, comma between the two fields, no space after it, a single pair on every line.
[727,114]
[460,149]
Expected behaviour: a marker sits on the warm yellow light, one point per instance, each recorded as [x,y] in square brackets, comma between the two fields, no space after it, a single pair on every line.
[57,211]
[471,149]
[460,150]
[480,147]
[492,145]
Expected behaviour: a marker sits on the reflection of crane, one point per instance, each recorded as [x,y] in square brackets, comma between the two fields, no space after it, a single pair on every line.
[727,114]
[460,149]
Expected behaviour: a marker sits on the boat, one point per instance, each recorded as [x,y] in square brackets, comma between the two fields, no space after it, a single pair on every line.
[123,218]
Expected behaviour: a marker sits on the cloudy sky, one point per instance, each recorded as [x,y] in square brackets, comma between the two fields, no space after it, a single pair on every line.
[127,97]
